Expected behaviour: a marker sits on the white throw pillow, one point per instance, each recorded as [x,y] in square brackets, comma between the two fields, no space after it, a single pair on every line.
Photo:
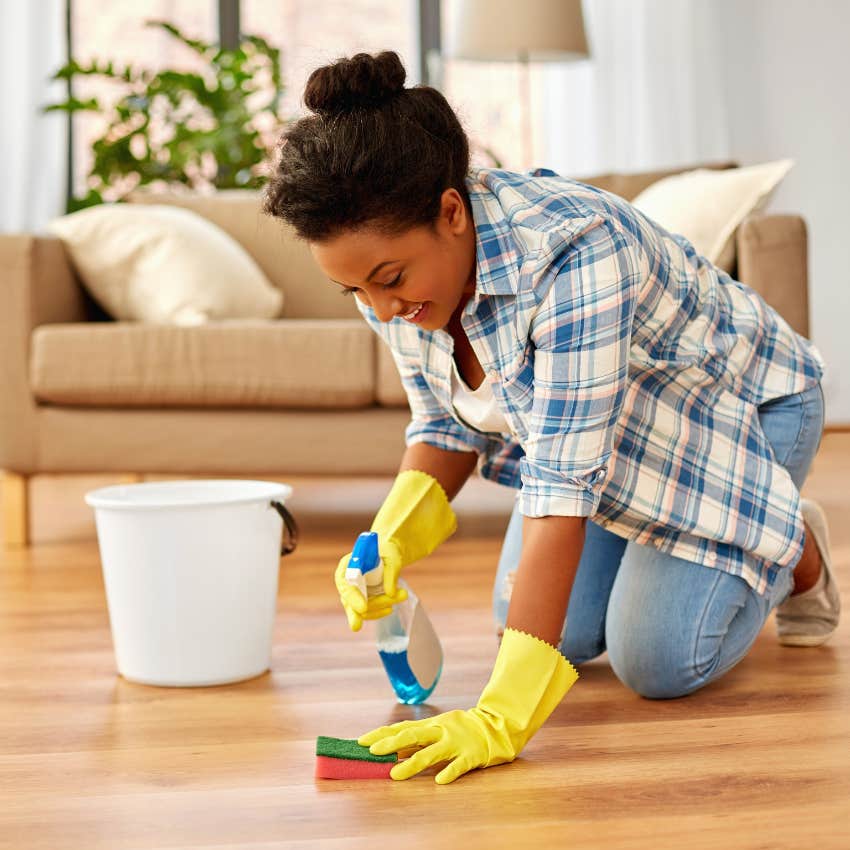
[165,265]
[707,205]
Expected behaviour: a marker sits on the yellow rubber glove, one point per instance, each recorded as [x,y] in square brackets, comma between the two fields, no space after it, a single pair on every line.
[414,519]
[529,679]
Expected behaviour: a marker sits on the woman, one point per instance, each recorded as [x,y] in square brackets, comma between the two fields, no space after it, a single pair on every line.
[656,417]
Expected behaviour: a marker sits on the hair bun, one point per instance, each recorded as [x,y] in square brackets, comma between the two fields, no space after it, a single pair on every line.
[361,81]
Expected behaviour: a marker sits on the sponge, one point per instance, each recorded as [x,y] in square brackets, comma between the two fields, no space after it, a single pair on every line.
[345,748]
[331,768]
[342,758]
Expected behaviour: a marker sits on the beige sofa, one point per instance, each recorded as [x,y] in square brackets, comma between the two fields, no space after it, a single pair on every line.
[314,392]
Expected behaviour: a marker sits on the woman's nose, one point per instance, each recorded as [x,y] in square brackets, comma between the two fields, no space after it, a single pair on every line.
[386,307]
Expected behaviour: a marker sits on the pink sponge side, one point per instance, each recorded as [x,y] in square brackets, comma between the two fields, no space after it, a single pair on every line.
[331,768]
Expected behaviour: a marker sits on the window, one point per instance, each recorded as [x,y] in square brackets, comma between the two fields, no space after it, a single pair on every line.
[117,31]
[488,97]
[311,33]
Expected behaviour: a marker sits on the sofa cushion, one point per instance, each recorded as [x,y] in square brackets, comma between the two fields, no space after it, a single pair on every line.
[707,206]
[164,265]
[289,363]
[285,259]
[629,186]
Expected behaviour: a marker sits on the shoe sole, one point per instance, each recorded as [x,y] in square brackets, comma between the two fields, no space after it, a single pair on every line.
[805,640]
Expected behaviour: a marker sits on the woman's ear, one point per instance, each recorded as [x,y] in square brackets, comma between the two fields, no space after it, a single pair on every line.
[453,211]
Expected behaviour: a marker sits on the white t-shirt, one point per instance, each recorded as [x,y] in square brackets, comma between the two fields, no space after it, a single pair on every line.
[477,407]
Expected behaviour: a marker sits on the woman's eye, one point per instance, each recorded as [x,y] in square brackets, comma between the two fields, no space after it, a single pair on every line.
[390,285]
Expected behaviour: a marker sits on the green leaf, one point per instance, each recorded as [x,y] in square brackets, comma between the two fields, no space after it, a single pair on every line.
[93,69]
[181,119]
[196,45]
[74,105]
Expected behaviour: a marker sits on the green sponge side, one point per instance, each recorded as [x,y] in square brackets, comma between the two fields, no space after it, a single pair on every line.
[343,748]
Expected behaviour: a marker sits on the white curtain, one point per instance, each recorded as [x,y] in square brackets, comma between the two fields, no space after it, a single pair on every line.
[32,145]
[650,97]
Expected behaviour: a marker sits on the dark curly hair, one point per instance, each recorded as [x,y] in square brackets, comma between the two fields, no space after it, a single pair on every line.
[374,153]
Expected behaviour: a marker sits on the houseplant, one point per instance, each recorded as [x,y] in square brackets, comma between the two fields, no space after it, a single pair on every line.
[215,128]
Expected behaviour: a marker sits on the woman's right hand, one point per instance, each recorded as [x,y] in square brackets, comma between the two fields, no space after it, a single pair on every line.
[357,608]
[413,520]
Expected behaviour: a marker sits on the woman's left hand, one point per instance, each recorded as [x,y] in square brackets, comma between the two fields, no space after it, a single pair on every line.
[529,679]
[459,737]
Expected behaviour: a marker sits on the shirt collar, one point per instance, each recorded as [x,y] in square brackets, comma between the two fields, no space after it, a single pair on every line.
[517,231]
[497,253]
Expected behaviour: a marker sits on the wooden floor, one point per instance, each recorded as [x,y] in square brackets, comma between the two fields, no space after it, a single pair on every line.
[759,759]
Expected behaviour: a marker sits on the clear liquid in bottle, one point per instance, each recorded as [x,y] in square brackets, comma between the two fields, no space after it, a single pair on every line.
[407,643]
[410,650]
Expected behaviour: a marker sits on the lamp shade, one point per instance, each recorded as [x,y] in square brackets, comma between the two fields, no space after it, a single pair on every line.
[505,30]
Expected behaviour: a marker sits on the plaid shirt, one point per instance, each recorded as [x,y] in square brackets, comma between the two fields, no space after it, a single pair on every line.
[629,369]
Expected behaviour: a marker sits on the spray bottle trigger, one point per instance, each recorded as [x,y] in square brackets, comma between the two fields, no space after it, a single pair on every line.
[365,569]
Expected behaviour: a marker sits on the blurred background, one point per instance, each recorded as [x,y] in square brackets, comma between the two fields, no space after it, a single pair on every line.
[666,83]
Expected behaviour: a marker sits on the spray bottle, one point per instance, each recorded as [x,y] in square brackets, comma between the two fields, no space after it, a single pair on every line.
[407,643]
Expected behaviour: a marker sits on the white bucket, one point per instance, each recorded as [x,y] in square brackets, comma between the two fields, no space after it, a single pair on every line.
[191,576]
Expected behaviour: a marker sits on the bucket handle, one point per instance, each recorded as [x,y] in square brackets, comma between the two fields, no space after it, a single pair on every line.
[290,537]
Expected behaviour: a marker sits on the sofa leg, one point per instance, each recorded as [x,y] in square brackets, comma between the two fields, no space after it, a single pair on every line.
[15,509]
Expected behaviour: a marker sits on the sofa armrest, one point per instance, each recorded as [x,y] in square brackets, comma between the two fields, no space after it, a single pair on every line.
[37,287]
[773,260]
[38,270]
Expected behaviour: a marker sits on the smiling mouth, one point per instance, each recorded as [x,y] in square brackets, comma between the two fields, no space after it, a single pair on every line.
[414,313]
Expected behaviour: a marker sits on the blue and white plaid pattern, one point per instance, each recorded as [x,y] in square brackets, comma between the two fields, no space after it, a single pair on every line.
[629,369]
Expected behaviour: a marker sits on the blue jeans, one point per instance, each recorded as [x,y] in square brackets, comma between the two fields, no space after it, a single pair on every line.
[670,626]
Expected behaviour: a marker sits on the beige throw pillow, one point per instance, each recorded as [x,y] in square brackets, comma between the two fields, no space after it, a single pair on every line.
[164,265]
[707,205]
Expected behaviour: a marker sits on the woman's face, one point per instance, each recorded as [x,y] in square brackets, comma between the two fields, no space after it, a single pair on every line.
[394,275]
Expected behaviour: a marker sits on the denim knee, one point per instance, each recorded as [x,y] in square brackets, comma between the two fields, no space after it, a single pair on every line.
[580,650]
[637,672]
[645,660]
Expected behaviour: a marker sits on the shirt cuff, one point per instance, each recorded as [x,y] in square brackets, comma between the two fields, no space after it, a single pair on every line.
[546,492]
[445,434]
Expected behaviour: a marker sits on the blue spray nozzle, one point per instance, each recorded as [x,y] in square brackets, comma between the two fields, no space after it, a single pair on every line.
[365,556]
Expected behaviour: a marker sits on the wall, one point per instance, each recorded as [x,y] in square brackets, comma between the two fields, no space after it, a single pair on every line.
[786,71]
